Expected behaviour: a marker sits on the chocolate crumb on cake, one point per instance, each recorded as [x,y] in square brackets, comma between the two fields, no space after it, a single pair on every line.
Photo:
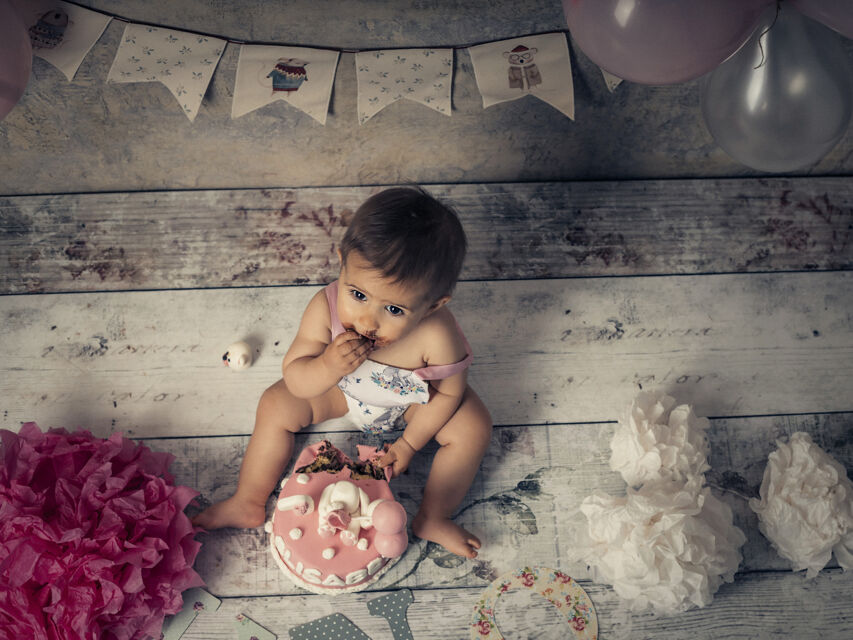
[330,459]
[367,469]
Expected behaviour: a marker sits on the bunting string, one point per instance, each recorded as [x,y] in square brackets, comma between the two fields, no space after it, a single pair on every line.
[236,41]
[185,60]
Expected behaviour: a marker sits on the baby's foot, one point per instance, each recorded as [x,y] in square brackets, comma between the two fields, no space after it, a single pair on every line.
[231,513]
[448,534]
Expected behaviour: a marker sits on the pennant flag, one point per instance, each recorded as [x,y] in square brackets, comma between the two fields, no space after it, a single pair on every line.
[422,75]
[184,62]
[62,33]
[530,65]
[611,81]
[301,77]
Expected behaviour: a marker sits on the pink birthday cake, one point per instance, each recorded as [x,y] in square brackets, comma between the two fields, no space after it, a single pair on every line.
[336,526]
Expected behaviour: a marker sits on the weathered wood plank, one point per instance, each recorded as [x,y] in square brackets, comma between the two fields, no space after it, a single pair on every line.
[761,605]
[184,239]
[521,503]
[149,363]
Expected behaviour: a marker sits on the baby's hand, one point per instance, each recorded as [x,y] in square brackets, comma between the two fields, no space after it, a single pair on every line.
[398,456]
[346,352]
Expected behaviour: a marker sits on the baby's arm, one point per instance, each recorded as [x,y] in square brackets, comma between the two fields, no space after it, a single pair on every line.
[430,418]
[446,396]
[315,363]
[426,422]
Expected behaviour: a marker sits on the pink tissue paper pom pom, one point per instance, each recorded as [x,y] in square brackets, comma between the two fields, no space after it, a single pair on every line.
[94,543]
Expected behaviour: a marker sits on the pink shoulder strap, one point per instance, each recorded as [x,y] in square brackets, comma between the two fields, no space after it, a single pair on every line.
[442,371]
[332,299]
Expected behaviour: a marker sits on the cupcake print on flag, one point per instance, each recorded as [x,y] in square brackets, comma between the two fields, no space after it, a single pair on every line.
[531,65]
[288,74]
[300,76]
[184,62]
[62,33]
[422,75]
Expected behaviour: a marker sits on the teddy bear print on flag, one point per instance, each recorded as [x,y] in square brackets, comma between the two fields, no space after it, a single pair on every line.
[299,76]
[530,65]
[184,62]
[422,75]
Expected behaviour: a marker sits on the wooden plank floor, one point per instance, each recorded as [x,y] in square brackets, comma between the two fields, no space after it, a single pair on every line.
[733,295]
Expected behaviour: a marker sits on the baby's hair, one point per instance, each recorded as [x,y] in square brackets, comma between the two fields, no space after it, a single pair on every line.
[410,237]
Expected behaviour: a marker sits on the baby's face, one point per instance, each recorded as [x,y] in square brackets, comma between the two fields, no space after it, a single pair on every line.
[376,307]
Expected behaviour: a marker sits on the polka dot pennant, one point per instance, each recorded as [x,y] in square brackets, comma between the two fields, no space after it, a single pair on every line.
[333,627]
[393,608]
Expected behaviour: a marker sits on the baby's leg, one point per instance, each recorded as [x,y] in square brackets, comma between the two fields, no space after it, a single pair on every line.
[279,416]
[464,440]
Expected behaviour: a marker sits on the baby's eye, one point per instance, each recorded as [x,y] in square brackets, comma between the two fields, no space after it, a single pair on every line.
[394,311]
[358,295]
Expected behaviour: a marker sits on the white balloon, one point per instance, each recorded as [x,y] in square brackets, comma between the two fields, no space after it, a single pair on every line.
[783,104]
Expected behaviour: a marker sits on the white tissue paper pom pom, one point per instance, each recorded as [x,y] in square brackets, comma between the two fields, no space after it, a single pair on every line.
[657,440]
[660,548]
[806,506]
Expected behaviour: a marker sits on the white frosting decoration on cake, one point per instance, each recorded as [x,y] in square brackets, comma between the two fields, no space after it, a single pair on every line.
[375,565]
[279,544]
[333,581]
[328,553]
[363,544]
[357,576]
[312,575]
[302,478]
[288,561]
[372,506]
[268,526]
[295,533]
[343,498]
[300,503]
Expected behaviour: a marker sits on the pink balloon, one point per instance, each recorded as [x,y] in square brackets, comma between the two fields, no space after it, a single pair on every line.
[389,517]
[16,58]
[391,546]
[661,41]
[835,14]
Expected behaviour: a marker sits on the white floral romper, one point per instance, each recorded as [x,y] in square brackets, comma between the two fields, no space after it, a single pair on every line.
[377,394]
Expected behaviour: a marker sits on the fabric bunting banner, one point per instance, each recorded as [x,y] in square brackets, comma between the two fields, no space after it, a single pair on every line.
[611,81]
[422,75]
[300,76]
[62,33]
[184,62]
[531,65]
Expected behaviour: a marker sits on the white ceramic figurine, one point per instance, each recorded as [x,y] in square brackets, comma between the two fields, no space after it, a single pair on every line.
[238,356]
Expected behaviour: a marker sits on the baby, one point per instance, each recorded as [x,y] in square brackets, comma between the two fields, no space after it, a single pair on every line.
[380,346]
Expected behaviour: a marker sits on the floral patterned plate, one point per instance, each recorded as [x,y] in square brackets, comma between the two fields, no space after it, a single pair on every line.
[555,586]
